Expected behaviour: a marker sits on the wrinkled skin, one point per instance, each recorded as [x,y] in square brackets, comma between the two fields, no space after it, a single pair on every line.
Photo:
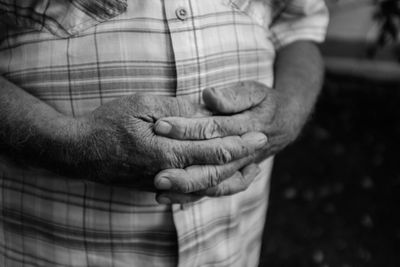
[126,151]
[247,107]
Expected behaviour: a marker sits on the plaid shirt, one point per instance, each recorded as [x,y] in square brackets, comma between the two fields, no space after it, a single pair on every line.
[76,55]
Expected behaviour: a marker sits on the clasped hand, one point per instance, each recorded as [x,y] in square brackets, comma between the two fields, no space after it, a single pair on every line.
[126,151]
[239,110]
[190,151]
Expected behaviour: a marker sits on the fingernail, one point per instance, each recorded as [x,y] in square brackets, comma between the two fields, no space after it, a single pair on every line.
[163,184]
[163,127]
[164,200]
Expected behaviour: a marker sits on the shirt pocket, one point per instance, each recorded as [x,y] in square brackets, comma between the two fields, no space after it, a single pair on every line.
[59,17]
[263,12]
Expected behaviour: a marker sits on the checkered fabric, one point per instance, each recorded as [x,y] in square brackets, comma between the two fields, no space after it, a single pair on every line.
[76,55]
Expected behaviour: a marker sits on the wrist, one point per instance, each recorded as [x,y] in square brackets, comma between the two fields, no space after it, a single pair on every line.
[56,143]
[66,140]
[92,148]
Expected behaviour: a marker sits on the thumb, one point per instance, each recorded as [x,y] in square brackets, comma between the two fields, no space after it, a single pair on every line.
[240,97]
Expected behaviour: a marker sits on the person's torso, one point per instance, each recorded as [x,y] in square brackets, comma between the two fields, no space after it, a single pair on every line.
[175,48]
[171,47]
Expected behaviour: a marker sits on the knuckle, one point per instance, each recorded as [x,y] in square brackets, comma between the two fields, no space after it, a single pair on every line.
[192,131]
[213,177]
[211,129]
[179,161]
[180,128]
[185,131]
[223,155]
[219,128]
[172,158]
[189,130]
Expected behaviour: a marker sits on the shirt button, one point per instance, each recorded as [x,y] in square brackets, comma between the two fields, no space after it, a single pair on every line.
[181,13]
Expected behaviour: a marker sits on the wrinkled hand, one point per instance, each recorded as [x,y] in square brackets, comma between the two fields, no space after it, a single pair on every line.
[272,116]
[128,152]
[248,107]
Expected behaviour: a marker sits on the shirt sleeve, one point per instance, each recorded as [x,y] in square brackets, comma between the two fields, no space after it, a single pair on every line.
[299,20]
[62,18]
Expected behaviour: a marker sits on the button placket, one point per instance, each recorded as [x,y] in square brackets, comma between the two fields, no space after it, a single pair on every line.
[179,15]
[184,44]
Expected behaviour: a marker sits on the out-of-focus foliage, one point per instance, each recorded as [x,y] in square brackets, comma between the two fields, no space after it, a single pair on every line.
[387,15]
[387,18]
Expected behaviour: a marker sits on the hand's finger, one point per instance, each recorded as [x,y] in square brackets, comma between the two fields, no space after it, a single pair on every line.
[207,127]
[238,98]
[217,151]
[176,198]
[239,182]
[200,177]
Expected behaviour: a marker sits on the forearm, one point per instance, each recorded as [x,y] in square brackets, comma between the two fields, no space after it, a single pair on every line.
[32,130]
[298,80]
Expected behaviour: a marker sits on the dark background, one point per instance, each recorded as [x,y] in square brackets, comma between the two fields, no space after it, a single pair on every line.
[335,192]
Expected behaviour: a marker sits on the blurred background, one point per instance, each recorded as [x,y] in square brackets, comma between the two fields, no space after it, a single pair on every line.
[335,193]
